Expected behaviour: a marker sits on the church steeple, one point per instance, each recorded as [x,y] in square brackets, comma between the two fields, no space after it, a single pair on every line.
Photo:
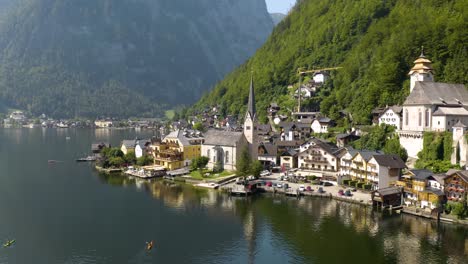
[251,106]
[251,123]
[422,70]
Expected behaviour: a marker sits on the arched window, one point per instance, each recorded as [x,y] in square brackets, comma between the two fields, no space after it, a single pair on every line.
[227,157]
[406,117]
[426,118]
[208,154]
[419,118]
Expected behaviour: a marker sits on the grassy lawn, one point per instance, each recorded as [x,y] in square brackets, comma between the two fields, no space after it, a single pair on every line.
[196,174]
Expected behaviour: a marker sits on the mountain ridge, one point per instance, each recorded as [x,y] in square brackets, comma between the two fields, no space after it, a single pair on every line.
[123,57]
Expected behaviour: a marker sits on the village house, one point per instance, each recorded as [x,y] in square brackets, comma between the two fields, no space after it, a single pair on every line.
[268,154]
[288,159]
[273,109]
[142,147]
[177,149]
[291,131]
[384,170]
[456,186]
[418,190]
[299,116]
[387,197]
[321,125]
[128,146]
[343,140]
[103,123]
[430,106]
[321,77]
[392,116]
[319,158]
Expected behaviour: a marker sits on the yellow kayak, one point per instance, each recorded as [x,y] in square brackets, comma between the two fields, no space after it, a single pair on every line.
[9,243]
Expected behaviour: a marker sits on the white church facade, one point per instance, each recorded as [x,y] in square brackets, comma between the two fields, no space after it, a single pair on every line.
[430,106]
[224,148]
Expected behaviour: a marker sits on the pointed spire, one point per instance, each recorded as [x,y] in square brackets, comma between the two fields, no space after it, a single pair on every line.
[251,106]
[422,53]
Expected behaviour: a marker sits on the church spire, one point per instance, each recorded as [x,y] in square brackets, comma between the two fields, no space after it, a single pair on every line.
[251,106]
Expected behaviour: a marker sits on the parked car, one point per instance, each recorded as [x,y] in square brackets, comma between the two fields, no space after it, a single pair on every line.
[309,189]
[301,188]
[353,189]
[250,178]
[285,186]
[265,173]
[348,193]
[279,185]
[320,190]
[269,184]
[340,192]
[326,184]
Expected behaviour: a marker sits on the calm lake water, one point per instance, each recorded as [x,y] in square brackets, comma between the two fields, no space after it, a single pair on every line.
[68,213]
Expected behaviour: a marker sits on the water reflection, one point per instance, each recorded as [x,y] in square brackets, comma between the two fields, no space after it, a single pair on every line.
[316,230]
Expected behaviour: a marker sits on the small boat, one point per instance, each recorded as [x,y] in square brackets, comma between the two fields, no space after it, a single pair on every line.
[9,243]
[149,245]
[87,159]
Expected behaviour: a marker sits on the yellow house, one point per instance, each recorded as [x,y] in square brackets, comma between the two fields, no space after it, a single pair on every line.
[177,149]
[361,170]
[417,191]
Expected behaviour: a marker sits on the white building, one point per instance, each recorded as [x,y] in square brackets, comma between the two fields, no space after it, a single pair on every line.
[319,158]
[321,125]
[430,106]
[17,116]
[392,116]
[223,148]
[384,170]
[321,77]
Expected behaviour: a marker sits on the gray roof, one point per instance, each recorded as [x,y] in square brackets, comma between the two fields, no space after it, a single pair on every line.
[434,191]
[459,124]
[271,149]
[395,108]
[389,191]
[251,106]
[421,174]
[451,111]
[329,147]
[186,137]
[390,161]
[222,138]
[129,143]
[368,154]
[439,177]
[433,93]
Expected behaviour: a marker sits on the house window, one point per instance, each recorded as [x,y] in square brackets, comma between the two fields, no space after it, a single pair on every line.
[419,118]
[406,117]
[208,153]
[426,118]
[227,156]
[247,127]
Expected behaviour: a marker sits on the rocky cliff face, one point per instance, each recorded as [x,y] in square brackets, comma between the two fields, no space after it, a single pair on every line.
[139,51]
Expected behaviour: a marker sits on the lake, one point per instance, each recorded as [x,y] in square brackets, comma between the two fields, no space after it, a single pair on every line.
[68,213]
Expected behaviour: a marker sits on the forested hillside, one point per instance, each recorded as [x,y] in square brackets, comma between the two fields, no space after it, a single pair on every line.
[374,41]
[123,57]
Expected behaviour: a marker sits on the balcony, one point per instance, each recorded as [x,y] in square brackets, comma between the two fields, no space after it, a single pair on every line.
[316,161]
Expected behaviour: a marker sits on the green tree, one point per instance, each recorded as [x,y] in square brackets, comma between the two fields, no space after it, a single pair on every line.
[116,162]
[244,162]
[199,126]
[460,210]
[256,168]
[130,157]
[144,160]
[392,146]
[199,163]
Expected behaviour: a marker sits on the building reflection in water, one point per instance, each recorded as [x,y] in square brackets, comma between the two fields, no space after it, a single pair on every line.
[301,222]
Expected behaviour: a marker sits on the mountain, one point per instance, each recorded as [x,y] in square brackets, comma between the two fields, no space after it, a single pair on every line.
[375,43]
[277,17]
[123,57]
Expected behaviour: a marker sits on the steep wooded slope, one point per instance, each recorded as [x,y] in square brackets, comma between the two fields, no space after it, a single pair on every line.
[374,41]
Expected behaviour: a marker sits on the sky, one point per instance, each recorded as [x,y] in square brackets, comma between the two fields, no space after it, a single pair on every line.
[280,6]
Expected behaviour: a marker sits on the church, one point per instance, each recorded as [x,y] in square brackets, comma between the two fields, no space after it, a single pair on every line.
[223,148]
[430,106]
